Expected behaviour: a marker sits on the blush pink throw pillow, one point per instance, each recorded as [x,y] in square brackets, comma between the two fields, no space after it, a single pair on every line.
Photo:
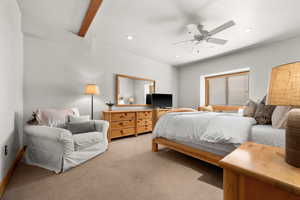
[53,117]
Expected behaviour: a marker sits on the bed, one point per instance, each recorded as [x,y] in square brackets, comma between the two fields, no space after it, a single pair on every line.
[180,132]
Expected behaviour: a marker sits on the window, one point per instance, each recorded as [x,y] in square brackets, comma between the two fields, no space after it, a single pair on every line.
[227,89]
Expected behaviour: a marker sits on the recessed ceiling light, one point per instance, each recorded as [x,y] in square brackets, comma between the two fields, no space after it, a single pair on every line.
[129,37]
[248,30]
[177,56]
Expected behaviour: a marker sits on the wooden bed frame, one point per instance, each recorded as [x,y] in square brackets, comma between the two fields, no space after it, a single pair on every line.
[190,151]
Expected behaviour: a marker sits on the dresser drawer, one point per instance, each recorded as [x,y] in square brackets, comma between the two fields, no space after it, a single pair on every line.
[122,116]
[144,115]
[143,129]
[143,122]
[122,132]
[123,124]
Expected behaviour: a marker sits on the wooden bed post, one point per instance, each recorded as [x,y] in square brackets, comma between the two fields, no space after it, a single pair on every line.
[154,146]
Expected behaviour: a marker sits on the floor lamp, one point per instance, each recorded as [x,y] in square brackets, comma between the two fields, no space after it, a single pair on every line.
[92,89]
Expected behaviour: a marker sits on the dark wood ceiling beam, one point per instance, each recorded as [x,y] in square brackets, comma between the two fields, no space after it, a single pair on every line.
[89,16]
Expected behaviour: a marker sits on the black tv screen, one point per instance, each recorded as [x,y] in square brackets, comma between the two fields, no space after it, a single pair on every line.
[161,100]
[149,99]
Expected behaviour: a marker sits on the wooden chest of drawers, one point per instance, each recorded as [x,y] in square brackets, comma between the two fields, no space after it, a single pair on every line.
[128,122]
[144,121]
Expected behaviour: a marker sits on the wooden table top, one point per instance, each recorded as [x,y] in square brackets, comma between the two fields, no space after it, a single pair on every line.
[265,163]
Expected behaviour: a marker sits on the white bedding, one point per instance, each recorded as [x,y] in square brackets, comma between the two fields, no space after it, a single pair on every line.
[263,134]
[199,127]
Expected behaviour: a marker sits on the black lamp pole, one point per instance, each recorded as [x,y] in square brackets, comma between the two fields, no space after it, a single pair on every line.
[92,89]
[92,108]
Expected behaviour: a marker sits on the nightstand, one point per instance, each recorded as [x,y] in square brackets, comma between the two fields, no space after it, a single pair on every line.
[259,172]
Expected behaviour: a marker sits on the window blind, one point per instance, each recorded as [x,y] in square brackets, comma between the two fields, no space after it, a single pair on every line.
[228,89]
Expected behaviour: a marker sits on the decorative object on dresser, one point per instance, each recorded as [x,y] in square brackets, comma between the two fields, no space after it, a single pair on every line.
[258,172]
[92,89]
[128,122]
[132,91]
[284,90]
[110,105]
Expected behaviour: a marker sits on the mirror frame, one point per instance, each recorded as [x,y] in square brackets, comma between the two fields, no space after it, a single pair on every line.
[118,76]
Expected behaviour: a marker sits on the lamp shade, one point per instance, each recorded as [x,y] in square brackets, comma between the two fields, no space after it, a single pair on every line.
[91,89]
[284,87]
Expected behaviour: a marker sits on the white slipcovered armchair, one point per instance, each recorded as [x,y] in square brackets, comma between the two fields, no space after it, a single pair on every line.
[57,149]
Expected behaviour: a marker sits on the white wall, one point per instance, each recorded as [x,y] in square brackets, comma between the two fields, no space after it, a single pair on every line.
[259,60]
[11,73]
[56,70]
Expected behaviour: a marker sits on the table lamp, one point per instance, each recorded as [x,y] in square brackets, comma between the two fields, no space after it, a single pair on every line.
[92,89]
[284,90]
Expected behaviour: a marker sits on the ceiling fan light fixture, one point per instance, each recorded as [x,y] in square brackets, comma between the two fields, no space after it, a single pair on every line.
[196,51]
[199,34]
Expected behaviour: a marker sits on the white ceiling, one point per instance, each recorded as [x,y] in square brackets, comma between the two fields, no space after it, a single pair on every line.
[157,24]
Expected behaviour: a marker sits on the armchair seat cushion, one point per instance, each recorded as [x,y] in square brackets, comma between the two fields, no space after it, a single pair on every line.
[84,140]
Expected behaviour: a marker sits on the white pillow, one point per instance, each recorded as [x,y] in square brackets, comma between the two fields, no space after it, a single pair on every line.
[82,118]
[250,108]
[279,116]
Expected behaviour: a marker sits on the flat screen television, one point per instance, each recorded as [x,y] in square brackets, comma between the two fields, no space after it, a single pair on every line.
[160,100]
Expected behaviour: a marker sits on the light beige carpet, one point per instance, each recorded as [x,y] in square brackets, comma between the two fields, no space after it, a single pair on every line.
[127,171]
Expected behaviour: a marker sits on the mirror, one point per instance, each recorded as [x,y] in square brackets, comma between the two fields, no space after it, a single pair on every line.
[132,91]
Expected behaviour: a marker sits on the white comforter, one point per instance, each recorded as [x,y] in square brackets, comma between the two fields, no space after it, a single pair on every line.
[204,127]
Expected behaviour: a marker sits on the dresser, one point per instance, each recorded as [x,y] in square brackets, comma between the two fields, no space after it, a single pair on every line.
[259,172]
[128,122]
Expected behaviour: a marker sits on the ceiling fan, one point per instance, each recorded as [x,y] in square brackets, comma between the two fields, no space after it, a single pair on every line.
[199,34]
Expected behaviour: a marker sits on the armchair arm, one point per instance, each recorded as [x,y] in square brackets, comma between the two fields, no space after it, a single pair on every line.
[102,126]
[60,136]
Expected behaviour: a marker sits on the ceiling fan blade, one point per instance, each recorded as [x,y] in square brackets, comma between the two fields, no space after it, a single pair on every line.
[216,41]
[221,28]
[184,41]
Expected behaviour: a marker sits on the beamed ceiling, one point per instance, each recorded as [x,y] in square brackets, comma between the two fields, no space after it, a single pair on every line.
[156,24]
